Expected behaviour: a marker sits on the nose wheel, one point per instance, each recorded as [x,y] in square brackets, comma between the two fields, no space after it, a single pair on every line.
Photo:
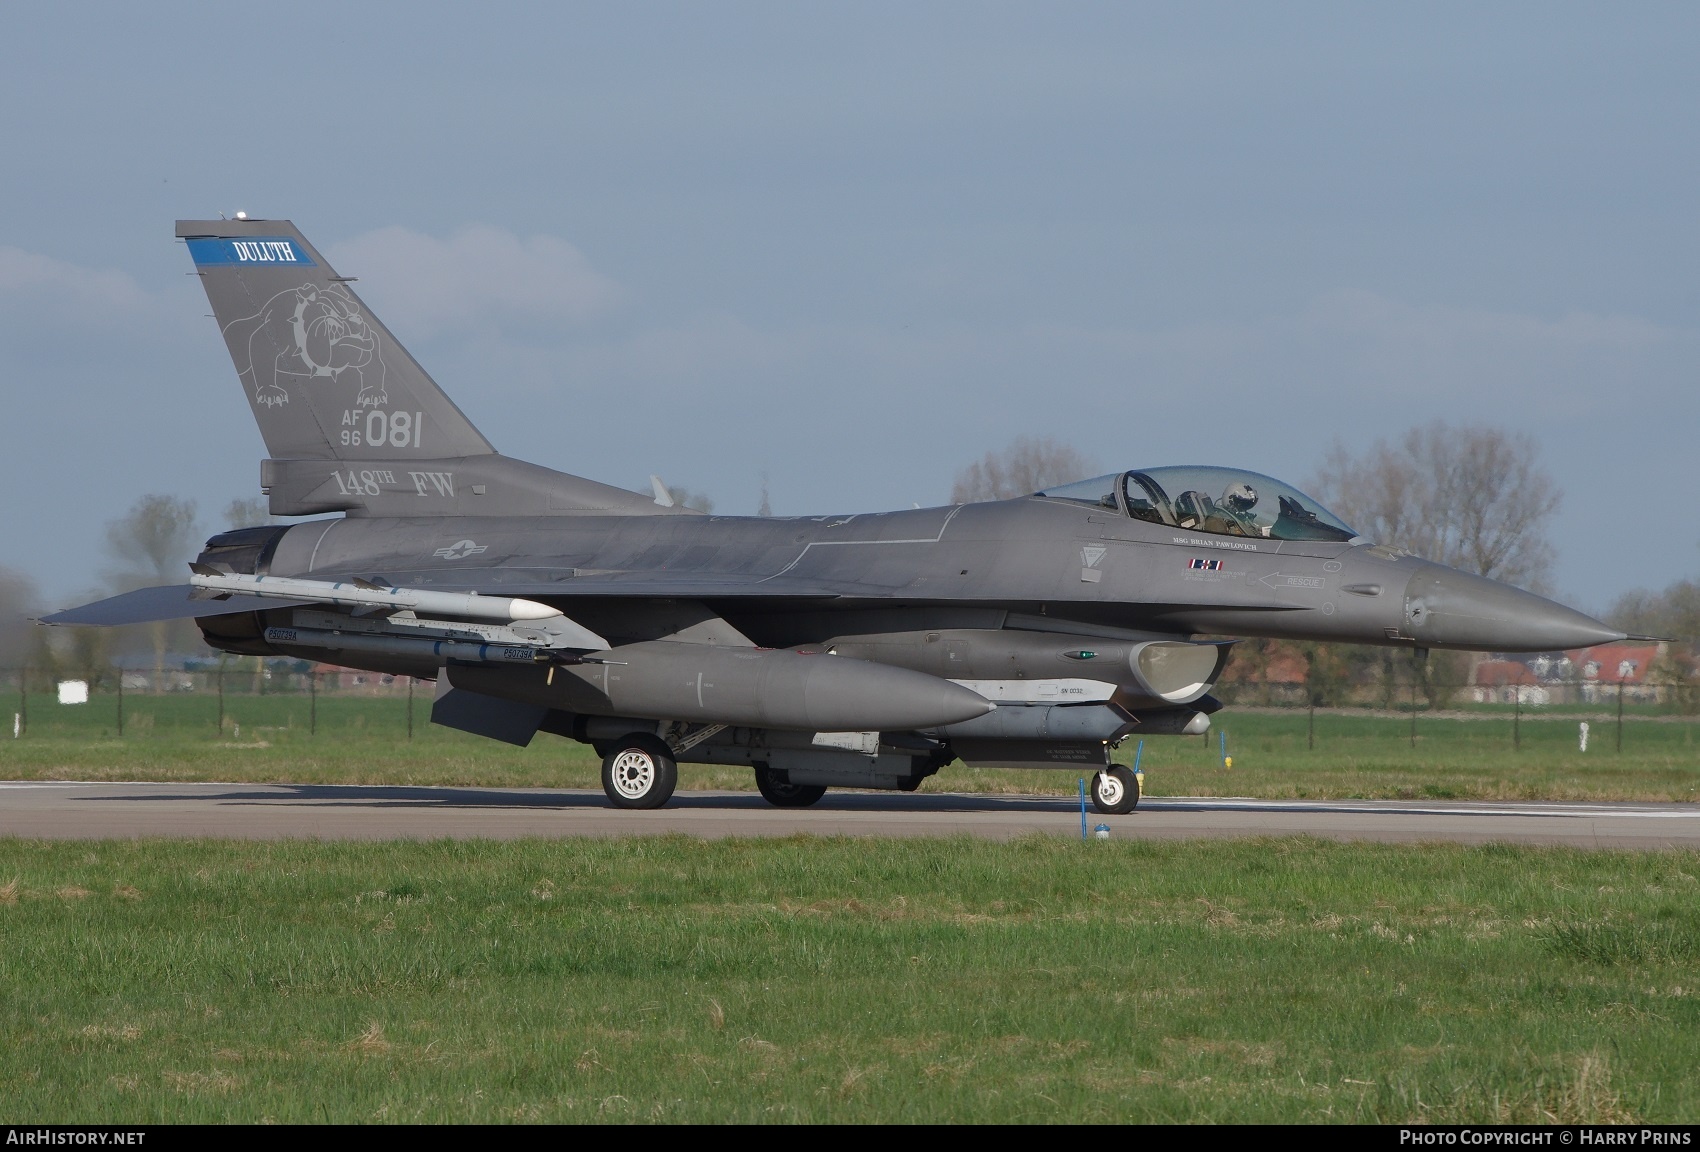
[1115,790]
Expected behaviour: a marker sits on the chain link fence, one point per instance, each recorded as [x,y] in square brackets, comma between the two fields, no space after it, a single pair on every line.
[213,698]
[1546,697]
[1389,706]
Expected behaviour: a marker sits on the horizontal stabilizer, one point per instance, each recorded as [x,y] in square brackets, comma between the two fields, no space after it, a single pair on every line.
[148,605]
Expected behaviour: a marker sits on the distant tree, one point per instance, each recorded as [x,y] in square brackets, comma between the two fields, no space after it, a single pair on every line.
[1470,497]
[1327,674]
[1675,612]
[19,600]
[85,654]
[152,544]
[697,501]
[1027,464]
[1248,670]
[250,513]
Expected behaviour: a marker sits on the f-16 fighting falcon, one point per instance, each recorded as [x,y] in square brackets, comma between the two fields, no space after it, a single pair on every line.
[859,651]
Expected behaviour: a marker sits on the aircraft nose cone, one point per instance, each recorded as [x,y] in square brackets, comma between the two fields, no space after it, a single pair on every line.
[1446,607]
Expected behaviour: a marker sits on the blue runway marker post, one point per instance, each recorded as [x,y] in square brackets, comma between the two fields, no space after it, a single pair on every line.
[1083,807]
[1138,773]
[1222,745]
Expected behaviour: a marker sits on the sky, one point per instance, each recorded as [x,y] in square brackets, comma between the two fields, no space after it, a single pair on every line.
[852,247]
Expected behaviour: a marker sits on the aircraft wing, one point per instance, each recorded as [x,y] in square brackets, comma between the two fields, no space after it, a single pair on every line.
[646,584]
[185,601]
[148,605]
[665,586]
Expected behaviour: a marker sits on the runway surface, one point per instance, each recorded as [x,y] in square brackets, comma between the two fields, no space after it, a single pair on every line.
[106,811]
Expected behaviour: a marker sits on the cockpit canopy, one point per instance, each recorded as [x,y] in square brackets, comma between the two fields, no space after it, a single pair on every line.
[1224,501]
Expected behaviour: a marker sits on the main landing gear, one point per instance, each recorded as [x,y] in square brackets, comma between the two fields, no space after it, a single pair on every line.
[639,772]
[1115,790]
[777,789]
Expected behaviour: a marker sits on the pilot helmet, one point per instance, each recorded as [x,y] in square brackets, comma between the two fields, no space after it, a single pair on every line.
[1240,496]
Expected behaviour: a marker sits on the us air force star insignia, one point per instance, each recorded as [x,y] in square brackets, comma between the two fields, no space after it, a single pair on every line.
[460,550]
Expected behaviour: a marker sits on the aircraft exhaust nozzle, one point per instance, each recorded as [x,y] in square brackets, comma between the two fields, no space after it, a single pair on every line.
[774,688]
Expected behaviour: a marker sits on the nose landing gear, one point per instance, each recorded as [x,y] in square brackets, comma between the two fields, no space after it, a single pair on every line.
[1115,790]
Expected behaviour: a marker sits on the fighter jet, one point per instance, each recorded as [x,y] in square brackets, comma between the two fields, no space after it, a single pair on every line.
[863,650]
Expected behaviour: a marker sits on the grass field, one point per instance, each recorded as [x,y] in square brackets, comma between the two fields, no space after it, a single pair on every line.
[365,740]
[1042,979]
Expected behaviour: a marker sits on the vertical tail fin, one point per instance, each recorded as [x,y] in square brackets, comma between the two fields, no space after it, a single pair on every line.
[325,378]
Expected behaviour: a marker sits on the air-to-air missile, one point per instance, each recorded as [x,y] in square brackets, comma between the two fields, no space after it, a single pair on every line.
[863,650]
[364,594]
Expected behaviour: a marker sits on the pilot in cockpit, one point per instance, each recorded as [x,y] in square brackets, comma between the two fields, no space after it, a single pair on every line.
[1232,515]
[1237,511]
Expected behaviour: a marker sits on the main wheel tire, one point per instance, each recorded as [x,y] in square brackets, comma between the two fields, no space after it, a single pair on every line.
[1115,790]
[781,793]
[638,771]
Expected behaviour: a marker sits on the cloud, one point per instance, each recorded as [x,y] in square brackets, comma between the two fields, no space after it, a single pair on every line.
[1355,364]
[1353,351]
[479,278]
[534,343]
[41,288]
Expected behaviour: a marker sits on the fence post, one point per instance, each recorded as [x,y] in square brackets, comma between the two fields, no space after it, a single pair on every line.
[1620,714]
[120,701]
[313,701]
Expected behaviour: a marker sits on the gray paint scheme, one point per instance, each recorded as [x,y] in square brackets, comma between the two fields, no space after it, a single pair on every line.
[354,425]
